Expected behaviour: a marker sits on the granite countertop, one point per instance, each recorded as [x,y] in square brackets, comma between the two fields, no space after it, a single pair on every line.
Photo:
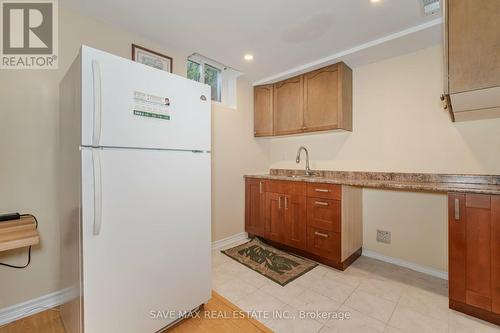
[481,184]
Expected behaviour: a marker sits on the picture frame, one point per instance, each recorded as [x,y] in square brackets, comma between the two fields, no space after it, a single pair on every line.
[152,58]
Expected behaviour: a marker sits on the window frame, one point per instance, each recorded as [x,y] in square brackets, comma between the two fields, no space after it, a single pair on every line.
[219,70]
[219,81]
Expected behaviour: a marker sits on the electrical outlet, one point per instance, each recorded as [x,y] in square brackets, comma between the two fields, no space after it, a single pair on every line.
[431,7]
[384,236]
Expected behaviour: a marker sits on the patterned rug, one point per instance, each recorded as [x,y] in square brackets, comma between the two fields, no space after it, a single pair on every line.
[274,264]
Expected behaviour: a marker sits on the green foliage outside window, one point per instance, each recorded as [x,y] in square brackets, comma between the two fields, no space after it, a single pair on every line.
[211,76]
[193,70]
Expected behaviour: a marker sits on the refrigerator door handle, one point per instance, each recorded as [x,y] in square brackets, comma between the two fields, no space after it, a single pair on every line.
[96,76]
[96,164]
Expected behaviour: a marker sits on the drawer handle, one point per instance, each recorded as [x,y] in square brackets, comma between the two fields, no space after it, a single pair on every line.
[320,203]
[320,234]
[260,186]
[279,202]
[457,210]
[321,190]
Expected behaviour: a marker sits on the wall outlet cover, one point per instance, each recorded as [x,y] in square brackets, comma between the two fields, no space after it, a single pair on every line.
[384,236]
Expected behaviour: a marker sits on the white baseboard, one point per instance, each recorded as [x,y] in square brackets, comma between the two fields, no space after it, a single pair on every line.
[231,240]
[407,264]
[57,298]
[42,303]
[39,304]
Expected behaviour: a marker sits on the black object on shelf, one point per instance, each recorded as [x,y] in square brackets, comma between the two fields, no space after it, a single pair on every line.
[9,217]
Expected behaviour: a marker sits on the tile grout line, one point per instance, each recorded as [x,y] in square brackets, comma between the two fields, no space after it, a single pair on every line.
[395,307]
[308,287]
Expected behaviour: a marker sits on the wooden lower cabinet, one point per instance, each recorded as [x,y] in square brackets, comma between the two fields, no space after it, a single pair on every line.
[310,219]
[474,254]
[294,228]
[324,243]
[274,217]
[255,200]
[324,214]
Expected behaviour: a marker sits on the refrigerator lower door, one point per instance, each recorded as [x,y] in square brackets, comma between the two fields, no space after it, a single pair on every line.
[146,237]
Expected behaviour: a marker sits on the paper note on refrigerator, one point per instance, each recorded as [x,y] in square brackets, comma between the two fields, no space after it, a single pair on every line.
[151,106]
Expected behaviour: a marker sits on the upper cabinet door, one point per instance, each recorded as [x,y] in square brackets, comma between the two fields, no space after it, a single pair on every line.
[288,106]
[473,44]
[317,101]
[263,110]
[472,61]
[327,98]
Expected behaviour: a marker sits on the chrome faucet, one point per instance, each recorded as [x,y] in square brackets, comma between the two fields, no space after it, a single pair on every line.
[308,171]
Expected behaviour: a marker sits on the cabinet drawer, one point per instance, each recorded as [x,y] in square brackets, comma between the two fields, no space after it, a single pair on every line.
[323,214]
[286,187]
[324,191]
[323,243]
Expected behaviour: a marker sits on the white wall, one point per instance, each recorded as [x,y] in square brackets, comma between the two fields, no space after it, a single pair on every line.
[29,102]
[399,125]
[235,153]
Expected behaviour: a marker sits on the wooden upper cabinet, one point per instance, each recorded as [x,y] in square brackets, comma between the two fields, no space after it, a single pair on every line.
[263,110]
[288,106]
[472,61]
[328,98]
[474,44]
[316,101]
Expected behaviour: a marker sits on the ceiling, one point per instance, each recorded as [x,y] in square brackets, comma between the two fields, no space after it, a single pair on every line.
[284,36]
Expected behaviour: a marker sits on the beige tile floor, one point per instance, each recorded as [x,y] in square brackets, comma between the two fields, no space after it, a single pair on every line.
[379,297]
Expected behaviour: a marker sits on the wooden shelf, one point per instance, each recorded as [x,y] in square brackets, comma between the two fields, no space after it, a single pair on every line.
[18,233]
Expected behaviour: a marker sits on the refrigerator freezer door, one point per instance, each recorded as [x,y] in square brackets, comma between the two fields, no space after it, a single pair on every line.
[127,104]
[151,254]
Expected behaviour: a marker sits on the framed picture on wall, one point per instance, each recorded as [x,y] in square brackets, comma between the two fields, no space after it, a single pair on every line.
[151,58]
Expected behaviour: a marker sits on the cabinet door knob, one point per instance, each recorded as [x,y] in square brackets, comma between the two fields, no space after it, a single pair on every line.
[286,202]
[279,202]
[320,203]
[321,190]
[260,186]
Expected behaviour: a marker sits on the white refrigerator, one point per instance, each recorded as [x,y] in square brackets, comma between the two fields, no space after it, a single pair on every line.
[135,193]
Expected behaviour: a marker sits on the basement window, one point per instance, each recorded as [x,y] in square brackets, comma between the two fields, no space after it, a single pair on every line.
[211,75]
[220,78]
[194,70]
